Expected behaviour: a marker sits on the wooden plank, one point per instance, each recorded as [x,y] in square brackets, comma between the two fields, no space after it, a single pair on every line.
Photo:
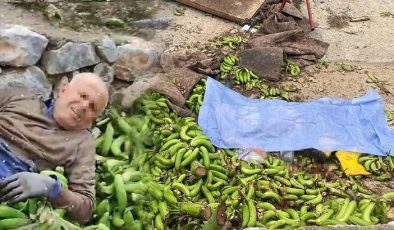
[234,10]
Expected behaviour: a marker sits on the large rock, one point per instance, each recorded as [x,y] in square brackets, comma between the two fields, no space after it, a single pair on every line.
[31,77]
[137,59]
[265,62]
[107,50]
[20,47]
[70,57]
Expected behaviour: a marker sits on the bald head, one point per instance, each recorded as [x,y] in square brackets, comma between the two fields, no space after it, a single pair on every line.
[81,101]
[93,81]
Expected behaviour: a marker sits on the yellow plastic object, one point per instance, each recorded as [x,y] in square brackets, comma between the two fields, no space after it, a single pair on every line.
[349,163]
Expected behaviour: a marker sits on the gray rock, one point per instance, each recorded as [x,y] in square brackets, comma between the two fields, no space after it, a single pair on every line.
[0,70]
[107,50]
[137,60]
[70,57]
[20,47]
[105,71]
[31,77]
[265,62]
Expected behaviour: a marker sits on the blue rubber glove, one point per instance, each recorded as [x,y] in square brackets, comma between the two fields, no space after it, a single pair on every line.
[24,185]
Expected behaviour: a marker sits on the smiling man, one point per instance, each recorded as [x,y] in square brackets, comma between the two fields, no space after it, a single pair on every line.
[37,135]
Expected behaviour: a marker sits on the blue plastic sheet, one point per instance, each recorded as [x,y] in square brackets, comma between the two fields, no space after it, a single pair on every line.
[231,120]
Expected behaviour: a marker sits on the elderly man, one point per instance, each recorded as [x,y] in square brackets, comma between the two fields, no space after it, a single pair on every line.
[35,135]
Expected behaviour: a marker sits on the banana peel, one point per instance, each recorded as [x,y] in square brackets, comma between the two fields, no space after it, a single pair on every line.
[349,163]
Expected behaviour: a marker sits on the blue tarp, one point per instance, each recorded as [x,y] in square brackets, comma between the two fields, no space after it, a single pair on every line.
[231,120]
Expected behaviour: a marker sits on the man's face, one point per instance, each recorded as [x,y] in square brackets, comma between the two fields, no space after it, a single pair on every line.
[78,105]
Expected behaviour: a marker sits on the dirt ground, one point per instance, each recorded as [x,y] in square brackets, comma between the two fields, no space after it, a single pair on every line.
[368,45]
[366,41]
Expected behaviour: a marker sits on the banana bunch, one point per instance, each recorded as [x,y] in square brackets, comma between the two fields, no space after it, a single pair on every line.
[244,75]
[59,174]
[154,106]
[382,168]
[273,92]
[194,102]
[227,65]
[232,42]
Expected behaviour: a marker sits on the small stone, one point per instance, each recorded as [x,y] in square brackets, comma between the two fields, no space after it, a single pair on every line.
[105,71]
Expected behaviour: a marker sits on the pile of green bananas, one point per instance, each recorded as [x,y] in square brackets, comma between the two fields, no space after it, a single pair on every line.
[381,167]
[194,102]
[273,93]
[244,75]
[128,197]
[202,177]
[160,171]
[231,42]
[228,64]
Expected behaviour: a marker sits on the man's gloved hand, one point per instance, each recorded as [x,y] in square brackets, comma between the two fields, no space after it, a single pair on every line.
[24,185]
